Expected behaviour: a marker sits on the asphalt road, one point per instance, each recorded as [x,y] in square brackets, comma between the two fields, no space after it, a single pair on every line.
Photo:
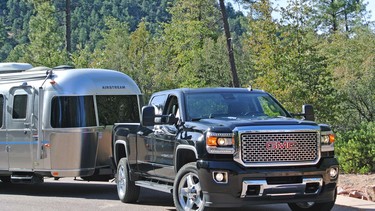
[70,195]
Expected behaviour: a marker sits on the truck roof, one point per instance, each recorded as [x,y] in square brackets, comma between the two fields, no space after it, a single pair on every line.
[210,89]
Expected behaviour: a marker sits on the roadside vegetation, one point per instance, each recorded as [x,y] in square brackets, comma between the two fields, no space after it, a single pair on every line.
[316,52]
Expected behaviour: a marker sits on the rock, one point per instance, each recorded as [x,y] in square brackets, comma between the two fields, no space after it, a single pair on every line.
[370,190]
[358,195]
[342,191]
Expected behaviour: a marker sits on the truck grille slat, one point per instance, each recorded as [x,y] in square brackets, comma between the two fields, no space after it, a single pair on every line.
[279,147]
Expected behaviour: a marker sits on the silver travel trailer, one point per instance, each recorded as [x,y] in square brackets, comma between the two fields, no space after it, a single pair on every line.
[58,122]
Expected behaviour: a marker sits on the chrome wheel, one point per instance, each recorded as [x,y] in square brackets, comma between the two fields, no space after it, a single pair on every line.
[121,181]
[127,191]
[188,192]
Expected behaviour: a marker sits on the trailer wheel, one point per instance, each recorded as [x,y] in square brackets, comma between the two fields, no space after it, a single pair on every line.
[187,191]
[127,191]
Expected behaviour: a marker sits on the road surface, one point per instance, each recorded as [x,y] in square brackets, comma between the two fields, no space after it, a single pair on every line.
[71,195]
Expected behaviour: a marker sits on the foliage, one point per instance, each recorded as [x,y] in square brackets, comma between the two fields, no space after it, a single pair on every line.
[46,46]
[338,15]
[317,52]
[356,149]
[352,61]
[287,62]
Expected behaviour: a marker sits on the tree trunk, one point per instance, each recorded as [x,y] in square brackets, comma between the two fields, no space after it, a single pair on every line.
[67,27]
[334,18]
[235,81]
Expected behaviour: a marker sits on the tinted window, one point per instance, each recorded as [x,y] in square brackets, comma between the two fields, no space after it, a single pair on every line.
[211,105]
[1,110]
[19,107]
[117,109]
[75,111]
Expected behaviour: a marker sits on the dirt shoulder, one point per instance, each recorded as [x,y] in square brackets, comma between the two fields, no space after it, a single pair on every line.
[355,185]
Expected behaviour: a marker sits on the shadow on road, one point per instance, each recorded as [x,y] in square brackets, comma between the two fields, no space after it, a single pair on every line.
[106,191]
[83,189]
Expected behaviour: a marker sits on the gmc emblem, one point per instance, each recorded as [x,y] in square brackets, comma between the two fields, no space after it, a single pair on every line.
[277,145]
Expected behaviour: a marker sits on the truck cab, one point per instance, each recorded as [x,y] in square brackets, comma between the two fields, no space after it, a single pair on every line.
[226,147]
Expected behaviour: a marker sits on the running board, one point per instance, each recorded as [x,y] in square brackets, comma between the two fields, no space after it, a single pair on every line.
[155,186]
[26,178]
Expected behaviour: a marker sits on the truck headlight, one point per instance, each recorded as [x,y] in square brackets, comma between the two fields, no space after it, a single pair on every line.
[327,141]
[220,143]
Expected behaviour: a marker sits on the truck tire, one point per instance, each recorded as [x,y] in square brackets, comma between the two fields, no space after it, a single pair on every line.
[312,206]
[187,192]
[127,191]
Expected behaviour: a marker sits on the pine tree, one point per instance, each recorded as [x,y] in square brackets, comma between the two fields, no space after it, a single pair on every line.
[46,46]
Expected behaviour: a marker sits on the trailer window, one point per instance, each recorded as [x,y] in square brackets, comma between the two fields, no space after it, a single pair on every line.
[19,107]
[117,108]
[1,110]
[73,111]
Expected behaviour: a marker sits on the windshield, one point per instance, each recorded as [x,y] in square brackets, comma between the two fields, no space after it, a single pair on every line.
[241,104]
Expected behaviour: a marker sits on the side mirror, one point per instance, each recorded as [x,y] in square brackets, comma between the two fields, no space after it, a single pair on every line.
[150,119]
[148,116]
[308,112]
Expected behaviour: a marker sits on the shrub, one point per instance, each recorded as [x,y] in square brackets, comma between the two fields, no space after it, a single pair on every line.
[356,149]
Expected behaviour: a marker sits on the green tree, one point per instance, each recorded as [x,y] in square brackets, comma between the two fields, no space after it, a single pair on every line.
[192,23]
[262,45]
[141,58]
[353,63]
[356,149]
[286,60]
[46,46]
[3,39]
[339,15]
[112,52]
[15,15]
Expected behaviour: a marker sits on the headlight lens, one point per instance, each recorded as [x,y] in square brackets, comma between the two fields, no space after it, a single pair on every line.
[327,141]
[220,143]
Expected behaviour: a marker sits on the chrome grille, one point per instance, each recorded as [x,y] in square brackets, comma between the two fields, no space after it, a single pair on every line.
[279,147]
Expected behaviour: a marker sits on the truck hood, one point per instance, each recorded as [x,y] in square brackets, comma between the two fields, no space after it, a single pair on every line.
[232,122]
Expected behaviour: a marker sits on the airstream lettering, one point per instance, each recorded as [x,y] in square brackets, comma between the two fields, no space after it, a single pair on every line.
[58,122]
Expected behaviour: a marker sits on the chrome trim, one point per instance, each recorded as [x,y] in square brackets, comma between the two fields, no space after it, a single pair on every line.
[225,176]
[238,131]
[281,189]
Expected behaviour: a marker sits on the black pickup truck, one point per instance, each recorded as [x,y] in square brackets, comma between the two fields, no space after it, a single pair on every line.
[226,147]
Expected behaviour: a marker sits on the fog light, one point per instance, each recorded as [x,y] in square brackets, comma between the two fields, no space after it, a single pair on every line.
[333,172]
[220,177]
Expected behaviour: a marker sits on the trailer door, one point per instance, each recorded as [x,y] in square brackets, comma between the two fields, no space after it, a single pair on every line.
[20,129]
[3,141]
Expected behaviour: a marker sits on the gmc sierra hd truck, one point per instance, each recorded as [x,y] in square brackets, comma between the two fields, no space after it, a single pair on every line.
[226,147]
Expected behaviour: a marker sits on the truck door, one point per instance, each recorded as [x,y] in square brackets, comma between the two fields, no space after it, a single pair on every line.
[165,140]
[3,142]
[19,128]
[145,140]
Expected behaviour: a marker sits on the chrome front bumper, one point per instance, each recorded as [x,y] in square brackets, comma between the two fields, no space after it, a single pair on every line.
[259,188]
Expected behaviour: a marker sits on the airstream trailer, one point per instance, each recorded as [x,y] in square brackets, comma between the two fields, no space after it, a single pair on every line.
[58,122]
